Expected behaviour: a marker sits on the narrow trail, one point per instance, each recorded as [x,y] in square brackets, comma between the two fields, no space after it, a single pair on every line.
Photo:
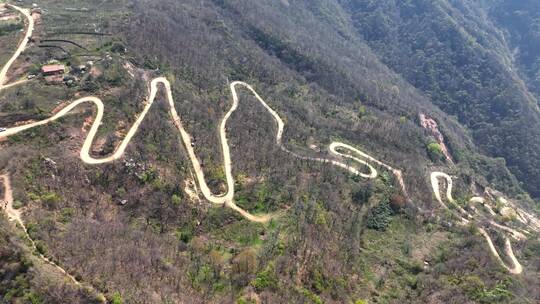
[466,217]
[15,215]
[13,84]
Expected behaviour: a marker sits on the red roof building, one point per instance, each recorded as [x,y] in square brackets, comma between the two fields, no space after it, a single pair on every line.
[53,69]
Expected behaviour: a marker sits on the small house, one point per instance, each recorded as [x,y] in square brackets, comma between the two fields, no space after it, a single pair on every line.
[54,69]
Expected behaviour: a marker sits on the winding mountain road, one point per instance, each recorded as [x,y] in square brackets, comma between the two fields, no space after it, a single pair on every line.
[226,198]
[465,217]
[337,149]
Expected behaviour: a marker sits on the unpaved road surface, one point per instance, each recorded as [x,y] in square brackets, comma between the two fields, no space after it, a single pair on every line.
[465,217]
[7,203]
[20,49]
[226,198]
[336,148]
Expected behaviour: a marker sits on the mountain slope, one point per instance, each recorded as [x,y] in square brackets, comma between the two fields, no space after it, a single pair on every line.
[138,229]
[454,53]
[519,22]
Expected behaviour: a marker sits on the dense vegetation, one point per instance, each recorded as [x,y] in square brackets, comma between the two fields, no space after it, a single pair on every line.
[520,21]
[459,59]
[355,71]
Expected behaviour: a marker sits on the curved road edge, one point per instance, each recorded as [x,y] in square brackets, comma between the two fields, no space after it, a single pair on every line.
[226,198]
[516,267]
[20,49]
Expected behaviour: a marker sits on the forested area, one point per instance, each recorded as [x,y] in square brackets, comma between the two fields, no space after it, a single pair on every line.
[462,62]
[520,21]
[354,71]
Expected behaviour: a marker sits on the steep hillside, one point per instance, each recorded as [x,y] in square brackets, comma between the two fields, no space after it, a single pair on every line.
[520,22]
[344,207]
[453,52]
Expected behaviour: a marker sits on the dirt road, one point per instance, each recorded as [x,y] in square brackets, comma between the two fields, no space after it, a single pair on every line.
[7,204]
[20,49]
[226,198]
[516,267]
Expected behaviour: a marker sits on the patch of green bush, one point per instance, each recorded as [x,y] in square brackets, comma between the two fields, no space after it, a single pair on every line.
[17,204]
[362,111]
[147,176]
[40,247]
[498,294]
[113,75]
[244,301]
[363,194]
[311,296]
[265,279]
[33,298]
[66,214]
[435,151]
[202,275]
[51,199]
[319,281]
[475,288]
[176,199]
[117,298]
[379,217]
[31,229]
[32,196]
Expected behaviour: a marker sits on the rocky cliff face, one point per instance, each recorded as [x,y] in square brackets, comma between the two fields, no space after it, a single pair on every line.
[432,126]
